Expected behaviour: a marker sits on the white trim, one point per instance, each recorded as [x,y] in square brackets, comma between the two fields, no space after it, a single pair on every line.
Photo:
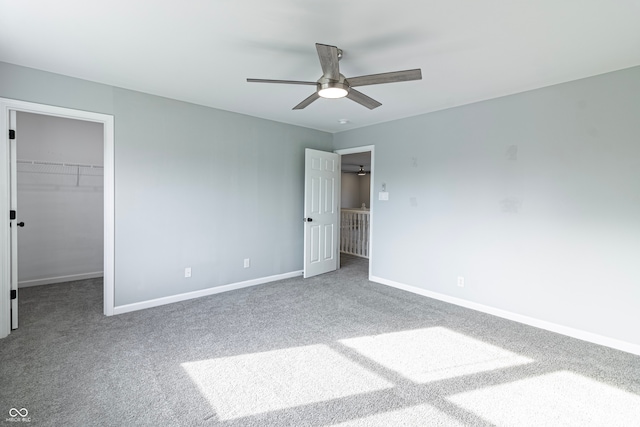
[202,293]
[59,279]
[531,321]
[364,149]
[7,105]
[109,194]
[354,150]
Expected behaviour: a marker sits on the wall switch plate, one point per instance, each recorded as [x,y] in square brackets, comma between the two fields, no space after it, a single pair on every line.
[383,195]
[187,272]
[247,262]
[461,281]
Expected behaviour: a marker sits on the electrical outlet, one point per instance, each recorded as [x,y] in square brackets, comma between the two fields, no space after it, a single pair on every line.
[461,281]
[187,272]
[247,262]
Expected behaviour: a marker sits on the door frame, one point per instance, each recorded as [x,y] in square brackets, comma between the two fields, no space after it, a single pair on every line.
[107,121]
[363,149]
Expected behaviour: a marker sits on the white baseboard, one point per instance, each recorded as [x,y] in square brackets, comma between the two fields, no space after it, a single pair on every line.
[59,279]
[531,321]
[202,293]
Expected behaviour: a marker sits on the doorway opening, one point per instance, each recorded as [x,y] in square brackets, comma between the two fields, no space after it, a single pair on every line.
[59,174]
[12,113]
[356,213]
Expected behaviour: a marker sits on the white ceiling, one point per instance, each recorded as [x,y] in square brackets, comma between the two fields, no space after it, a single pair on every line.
[202,51]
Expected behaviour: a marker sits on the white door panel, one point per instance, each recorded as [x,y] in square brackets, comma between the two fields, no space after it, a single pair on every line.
[13,234]
[322,181]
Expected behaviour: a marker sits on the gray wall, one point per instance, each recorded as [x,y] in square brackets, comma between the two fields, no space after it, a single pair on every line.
[534,198]
[365,190]
[349,191]
[63,212]
[355,190]
[194,186]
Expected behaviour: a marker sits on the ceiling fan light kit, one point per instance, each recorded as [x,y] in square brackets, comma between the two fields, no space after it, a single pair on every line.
[333,85]
[333,90]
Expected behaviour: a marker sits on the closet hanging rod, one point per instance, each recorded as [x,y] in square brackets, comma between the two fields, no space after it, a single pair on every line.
[46,163]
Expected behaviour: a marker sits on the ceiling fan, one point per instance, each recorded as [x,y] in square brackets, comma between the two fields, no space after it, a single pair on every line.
[355,168]
[361,171]
[332,84]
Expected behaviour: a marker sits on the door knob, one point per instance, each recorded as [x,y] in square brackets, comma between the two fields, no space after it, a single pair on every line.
[308,219]
[20,224]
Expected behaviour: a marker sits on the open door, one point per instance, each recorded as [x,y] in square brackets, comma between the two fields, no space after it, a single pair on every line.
[13,221]
[321,192]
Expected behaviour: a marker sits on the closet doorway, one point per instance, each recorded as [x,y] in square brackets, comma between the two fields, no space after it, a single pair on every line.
[60,193]
[65,173]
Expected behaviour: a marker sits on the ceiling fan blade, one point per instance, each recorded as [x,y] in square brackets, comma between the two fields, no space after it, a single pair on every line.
[328,56]
[307,101]
[363,99]
[288,82]
[395,76]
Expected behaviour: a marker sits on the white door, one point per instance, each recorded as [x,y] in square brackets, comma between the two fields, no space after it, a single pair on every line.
[13,221]
[321,192]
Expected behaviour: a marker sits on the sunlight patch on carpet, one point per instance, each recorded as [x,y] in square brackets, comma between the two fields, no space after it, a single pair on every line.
[556,399]
[251,384]
[432,354]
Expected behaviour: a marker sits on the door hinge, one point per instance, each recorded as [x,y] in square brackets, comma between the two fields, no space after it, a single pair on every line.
[14,294]
[12,134]
[12,214]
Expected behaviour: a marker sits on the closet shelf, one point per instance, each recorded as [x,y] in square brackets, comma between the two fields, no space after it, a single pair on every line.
[80,172]
[56,168]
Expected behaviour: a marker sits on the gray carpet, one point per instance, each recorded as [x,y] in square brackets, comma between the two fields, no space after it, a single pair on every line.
[331,350]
